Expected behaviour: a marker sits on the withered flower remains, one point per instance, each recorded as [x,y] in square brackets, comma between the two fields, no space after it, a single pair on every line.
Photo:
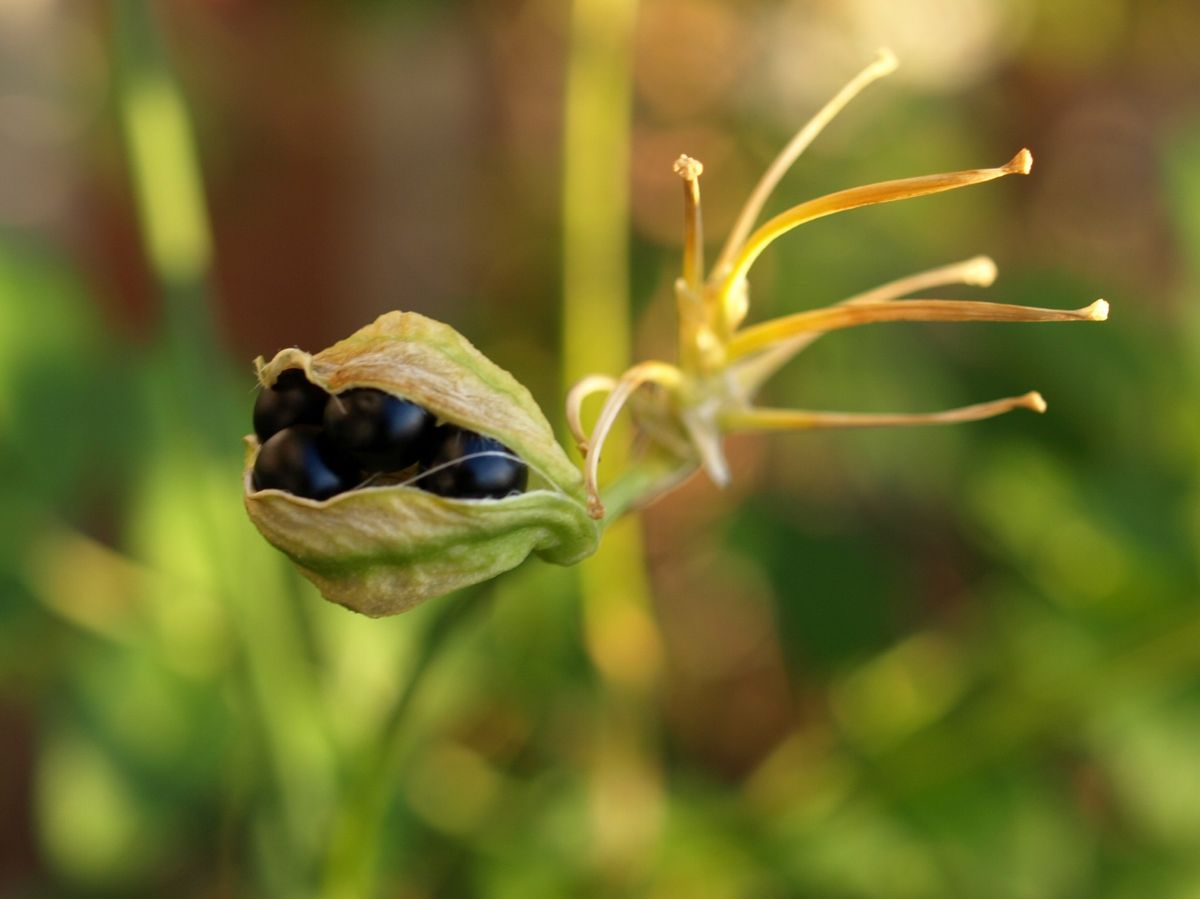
[722,365]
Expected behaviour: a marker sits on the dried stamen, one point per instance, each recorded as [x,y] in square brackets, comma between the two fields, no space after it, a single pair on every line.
[833,318]
[856,197]
[978,271]
[645,372]
[693,225]
[800,419]
[885,64]
[580,392]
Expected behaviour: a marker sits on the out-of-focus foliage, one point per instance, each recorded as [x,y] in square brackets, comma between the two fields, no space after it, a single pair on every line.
[959,662]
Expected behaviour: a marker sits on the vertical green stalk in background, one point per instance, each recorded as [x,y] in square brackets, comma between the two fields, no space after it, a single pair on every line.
[164,166]
[195,461]
[618,623]
[165,178]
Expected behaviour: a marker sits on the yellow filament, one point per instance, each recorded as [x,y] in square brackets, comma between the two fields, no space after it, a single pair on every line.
[693,225]
[856,197]
[883,65]
[800,419]
[833,318]
[584,388]
[978,271]
[645,372]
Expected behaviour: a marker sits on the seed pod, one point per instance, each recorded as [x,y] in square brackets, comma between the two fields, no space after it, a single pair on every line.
[382,549]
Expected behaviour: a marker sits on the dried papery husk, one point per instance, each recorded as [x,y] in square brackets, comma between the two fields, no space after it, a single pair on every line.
[380,550]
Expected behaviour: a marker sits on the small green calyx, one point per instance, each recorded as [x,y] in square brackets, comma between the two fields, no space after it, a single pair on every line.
[382,549]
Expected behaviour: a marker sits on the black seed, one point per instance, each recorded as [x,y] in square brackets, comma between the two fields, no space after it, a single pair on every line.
[300,461]
[481,477]
[379,431]
[291,400]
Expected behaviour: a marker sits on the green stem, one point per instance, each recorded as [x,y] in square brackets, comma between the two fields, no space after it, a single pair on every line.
[167,185]
[359,825]
[596,318]
[654,473]
[619,628]
[596,326]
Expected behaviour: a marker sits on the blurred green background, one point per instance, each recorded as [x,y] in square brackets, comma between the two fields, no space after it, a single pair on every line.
[938,662]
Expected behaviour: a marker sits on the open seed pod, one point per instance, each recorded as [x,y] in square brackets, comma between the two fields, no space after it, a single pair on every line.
[380,550]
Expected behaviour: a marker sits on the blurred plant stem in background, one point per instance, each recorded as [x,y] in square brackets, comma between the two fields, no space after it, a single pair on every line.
[619,627]
[353,853]
[280,687]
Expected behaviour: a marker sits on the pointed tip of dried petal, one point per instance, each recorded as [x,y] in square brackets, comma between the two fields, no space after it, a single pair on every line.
[1021,164]
[980,271]
[687,168]
[1034,401]
[1098,311]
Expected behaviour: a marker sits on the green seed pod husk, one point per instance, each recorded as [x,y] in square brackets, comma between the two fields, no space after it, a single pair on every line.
[380,550]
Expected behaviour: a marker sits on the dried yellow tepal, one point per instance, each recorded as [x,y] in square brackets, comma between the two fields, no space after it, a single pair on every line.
[390,544]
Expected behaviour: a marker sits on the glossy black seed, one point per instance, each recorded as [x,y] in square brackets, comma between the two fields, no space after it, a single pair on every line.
[379,431]
[482,477]
[300,461]
[291,400]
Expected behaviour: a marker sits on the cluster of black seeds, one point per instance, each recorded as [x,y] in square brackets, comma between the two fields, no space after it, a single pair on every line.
[316,445]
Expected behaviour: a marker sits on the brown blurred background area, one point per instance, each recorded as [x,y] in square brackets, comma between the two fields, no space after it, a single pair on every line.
[363,156]
[937,662]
